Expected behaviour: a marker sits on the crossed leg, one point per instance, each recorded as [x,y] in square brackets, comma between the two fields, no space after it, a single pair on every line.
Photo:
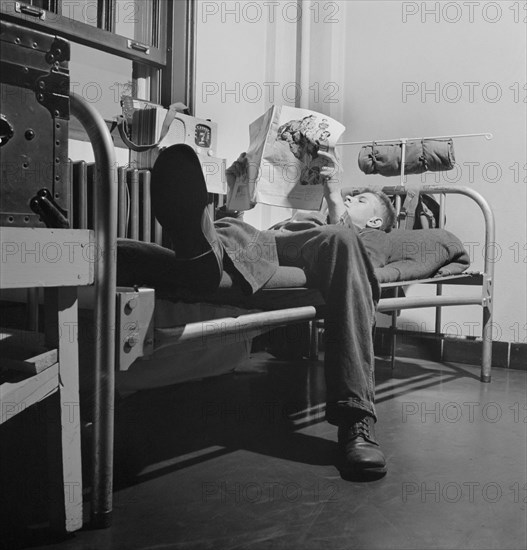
[337,263]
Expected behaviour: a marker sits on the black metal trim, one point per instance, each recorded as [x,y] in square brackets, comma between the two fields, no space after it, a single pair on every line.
[84,34]
[190,68]
[106,15]
[178,77]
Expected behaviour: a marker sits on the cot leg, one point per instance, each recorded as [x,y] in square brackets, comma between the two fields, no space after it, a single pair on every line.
[393,339]
[437,325]
[313,339]
[105,276]
[393,332]
[486,355]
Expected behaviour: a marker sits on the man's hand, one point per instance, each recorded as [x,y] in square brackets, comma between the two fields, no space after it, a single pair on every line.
[330,173]
[331,166]
[238,168]
[332,183]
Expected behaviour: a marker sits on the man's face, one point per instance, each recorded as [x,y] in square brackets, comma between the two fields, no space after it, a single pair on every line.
[364,210]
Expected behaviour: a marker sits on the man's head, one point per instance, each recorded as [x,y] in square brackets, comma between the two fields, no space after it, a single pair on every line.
[370,208]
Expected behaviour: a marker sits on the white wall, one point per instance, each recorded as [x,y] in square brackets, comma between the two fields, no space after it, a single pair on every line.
[376,66]
[246,60]
[398,54]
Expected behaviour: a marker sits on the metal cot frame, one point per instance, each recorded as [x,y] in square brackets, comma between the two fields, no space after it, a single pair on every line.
[106,230]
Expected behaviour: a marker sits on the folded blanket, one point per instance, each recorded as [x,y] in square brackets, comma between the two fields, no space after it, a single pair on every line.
[400,255]
[421,253]
[433,155]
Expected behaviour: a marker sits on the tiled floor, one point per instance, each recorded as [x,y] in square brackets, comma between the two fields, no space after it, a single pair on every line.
[246,461]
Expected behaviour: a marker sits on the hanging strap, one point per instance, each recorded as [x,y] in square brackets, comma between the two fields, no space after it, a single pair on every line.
[407,214]
[122,126]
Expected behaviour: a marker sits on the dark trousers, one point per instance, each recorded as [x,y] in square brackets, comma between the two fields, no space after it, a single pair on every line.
[338,265]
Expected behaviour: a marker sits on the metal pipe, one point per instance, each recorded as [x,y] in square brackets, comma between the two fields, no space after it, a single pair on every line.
[403,158]
[105,279]
[389,304]
[122,202]
[146,217]
[393,325]
[303,55]
[313,339]
[134,204]
[190,55]
[487,135]
[439,287]
[158,233]
[240,326]
[80,172]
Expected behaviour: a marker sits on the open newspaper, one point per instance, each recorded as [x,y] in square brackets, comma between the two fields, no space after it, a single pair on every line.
[284,164]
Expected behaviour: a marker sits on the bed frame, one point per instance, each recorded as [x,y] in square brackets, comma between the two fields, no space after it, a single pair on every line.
[134,335]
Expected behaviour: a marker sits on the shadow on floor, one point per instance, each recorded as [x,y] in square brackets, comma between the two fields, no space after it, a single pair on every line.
[161,431]
[259,412]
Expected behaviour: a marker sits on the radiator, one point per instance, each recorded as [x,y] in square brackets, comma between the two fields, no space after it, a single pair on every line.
[135,218]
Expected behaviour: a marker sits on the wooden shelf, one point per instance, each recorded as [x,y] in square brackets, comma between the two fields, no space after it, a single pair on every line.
[60,260]
[23,391]
[40,257]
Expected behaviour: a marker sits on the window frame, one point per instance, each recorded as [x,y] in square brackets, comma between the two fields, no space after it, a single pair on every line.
[173,56]
[97,38]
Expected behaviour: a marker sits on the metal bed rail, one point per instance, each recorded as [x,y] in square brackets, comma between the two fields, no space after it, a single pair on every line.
[105,286]
[487,277]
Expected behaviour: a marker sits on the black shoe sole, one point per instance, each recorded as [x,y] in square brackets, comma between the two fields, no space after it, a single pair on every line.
[179,198]
[179,202]
[366,474]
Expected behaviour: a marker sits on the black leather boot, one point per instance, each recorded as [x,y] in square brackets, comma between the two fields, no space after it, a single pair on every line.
[180,204]
[362,458]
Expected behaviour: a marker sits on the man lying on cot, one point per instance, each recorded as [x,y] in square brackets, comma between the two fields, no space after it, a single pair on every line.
[338,258]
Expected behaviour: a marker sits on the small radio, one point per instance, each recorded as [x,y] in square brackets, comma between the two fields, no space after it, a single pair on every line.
[154,128]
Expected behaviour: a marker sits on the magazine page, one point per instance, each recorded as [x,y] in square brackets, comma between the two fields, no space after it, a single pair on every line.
[289,168]
[243,195]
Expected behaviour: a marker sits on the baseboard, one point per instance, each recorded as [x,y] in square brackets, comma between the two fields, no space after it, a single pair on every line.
[441,347]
